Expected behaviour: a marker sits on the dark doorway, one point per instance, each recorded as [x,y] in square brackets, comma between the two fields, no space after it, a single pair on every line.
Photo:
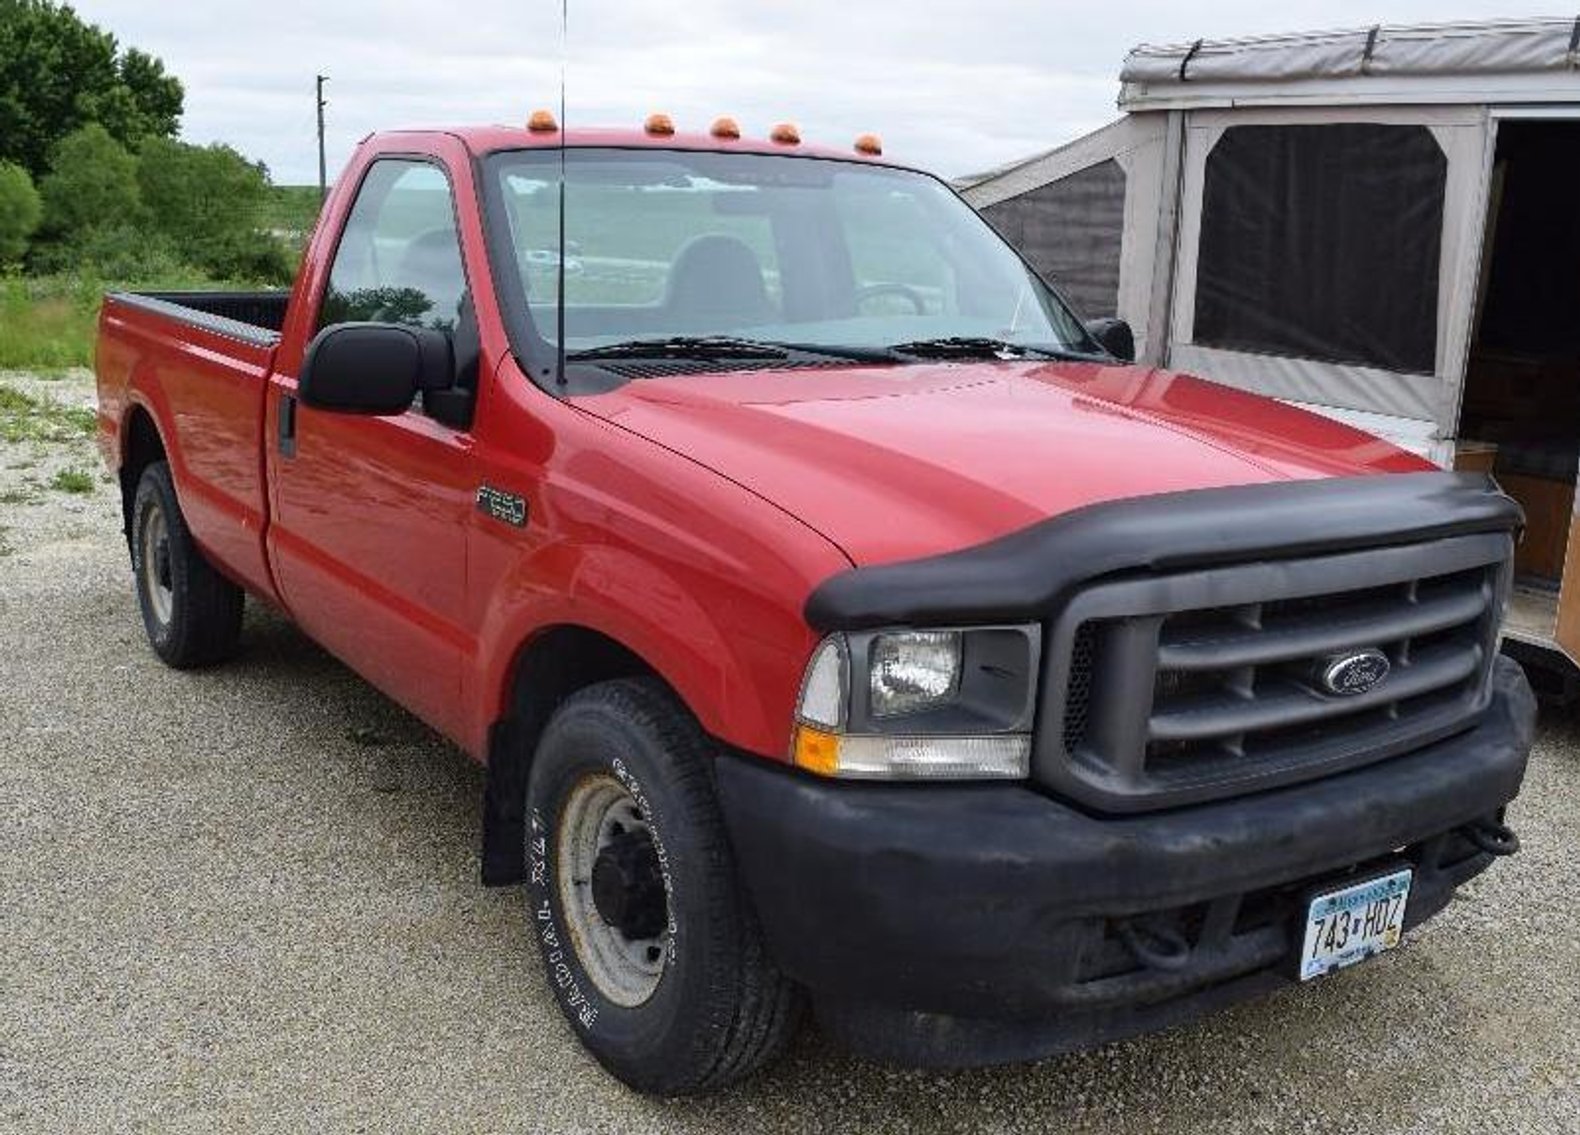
[1522,384]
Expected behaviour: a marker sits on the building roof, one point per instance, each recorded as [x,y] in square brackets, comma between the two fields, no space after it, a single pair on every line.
[1501,61]
[1022,174]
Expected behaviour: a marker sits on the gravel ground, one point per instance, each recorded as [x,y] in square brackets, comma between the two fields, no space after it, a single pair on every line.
[248,899]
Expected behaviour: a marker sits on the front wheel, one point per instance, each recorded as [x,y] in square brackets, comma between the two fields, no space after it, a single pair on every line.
[648,942]
[192,613]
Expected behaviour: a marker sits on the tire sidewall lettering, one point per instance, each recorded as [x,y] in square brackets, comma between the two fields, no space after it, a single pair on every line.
[556,949]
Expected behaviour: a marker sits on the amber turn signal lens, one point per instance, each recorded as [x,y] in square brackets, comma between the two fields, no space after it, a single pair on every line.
[786,134]
[725,128]
[659,124]
[869,144]
[542,122]
[816,751]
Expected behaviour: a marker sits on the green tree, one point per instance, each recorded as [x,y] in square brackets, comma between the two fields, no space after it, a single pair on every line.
[20,210]
[58,73]
[202,197]
[208,201]
[91,186]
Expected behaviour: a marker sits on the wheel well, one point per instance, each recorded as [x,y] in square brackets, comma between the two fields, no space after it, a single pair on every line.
[142,448]
[554,665]
[550,668]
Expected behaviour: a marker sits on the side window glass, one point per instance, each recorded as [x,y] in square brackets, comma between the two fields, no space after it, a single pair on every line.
[399,259]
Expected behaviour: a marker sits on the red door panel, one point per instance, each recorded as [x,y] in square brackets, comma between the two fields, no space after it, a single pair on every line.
[369,547]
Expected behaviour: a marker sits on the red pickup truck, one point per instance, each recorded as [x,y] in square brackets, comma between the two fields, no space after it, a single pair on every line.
[839,618]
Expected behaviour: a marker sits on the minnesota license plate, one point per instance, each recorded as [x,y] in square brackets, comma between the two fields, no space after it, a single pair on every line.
[1350,925]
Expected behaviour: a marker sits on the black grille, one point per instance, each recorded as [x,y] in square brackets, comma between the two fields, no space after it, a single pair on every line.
[1079,698]
[1207,683]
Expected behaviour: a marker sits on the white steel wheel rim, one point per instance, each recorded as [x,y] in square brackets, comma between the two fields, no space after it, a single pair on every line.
[156,564]
[626,970]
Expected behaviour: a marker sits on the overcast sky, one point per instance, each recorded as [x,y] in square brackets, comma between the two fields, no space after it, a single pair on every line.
[951,85]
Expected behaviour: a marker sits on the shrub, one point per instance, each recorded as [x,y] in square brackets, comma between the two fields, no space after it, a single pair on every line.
[20,210]
[92,184]
[209,202]
[121,252]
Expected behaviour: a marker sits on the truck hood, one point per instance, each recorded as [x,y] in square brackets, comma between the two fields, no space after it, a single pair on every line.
[896,462]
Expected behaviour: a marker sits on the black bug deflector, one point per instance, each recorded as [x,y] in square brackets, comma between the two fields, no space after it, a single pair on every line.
[1184,635]
[1030,571]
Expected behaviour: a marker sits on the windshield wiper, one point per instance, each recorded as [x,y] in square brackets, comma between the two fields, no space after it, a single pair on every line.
[682,347]
[734,347]
[978,347]
[727,347]
[843,351]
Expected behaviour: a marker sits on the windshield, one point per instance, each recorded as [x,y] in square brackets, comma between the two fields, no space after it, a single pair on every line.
[662,244]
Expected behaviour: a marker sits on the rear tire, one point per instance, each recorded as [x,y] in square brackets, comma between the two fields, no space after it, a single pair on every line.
[649,943]
[192,613]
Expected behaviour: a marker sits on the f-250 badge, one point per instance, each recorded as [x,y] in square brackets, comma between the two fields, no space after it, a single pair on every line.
[502,505]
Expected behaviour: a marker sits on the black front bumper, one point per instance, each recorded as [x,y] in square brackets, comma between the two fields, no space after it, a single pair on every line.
[951,925]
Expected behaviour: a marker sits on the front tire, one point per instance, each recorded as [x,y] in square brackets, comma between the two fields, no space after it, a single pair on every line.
[192,613]
[649,944]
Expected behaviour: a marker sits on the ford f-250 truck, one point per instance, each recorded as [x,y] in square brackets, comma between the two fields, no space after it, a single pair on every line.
[840,620]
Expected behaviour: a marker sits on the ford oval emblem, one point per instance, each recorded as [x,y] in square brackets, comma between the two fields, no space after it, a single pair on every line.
[1355,673]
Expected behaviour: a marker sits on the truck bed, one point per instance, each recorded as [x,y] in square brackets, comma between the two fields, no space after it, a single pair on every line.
[251,316]
[203,359]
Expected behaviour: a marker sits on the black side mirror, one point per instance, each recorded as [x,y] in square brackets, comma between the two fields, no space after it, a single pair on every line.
[373,368]
[1115,337]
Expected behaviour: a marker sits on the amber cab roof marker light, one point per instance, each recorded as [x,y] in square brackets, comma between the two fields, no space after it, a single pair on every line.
[725,127]
[542,122]
[869,144]
[786,134]
[660,124]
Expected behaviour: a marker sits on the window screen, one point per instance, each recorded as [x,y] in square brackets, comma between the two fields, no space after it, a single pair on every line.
[1070,230]
[1322,242]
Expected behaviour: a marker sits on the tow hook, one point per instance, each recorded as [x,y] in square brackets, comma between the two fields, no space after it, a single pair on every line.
[1492,837]
[1156,947]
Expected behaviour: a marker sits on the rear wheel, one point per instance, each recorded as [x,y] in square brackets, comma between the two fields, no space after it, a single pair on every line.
[648,941]
[192,613]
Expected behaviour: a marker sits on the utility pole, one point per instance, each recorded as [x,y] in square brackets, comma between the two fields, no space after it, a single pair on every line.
[323,178]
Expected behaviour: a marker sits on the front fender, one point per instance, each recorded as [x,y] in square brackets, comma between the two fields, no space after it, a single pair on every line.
[735,660]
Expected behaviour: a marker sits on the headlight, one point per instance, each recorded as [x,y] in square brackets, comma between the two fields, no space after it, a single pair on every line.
[913,670]
[953,703]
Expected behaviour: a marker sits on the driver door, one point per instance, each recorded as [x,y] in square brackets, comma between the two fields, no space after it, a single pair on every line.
[371,513]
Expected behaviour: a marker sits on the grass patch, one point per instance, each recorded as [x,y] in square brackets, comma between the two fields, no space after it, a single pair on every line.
[46,324]
[25,418]
[18,496]
[73,481]
[50,323]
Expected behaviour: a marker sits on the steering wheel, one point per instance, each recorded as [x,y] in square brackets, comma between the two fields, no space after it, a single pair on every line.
[904,291]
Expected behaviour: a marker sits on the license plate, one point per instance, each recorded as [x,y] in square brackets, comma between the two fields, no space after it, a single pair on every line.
[1350,925]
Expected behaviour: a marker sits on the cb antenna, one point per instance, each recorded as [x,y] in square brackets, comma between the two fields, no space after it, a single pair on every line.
[559,302]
